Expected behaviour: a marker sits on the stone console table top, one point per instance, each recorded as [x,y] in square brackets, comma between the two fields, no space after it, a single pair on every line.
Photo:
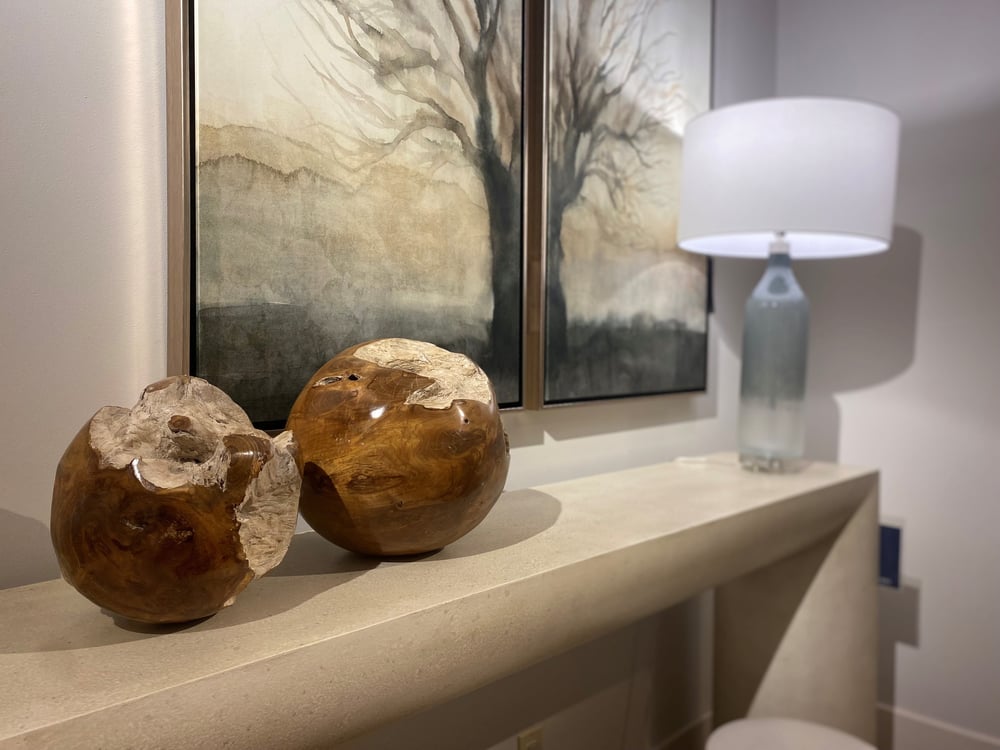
[330,644]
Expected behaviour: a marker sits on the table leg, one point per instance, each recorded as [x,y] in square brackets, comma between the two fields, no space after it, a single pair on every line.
[798,638]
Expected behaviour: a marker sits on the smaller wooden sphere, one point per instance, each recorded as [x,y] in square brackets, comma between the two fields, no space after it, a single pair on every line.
[165,512]
[401,447]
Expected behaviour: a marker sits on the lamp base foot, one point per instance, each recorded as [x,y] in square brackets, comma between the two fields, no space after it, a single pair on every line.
[770,464]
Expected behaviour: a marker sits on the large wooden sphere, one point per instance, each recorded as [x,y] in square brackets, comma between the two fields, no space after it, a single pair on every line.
[166,511]
[401,447]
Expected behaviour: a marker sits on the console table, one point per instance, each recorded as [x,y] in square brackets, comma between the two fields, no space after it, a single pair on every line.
[331,645]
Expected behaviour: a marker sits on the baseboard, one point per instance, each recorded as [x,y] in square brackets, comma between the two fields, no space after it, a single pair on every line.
[899,729]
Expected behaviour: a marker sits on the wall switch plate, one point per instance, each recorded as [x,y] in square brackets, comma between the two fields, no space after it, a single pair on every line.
[530,740]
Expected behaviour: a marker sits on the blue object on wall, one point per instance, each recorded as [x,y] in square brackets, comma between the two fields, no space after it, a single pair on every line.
[888,555]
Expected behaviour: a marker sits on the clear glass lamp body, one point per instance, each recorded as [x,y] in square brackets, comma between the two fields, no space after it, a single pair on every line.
[773,378]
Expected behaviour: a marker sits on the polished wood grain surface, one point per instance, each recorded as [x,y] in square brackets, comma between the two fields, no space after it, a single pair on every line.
[150,507]
[381,476]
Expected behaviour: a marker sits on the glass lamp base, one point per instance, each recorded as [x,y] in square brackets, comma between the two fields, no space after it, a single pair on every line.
[772,383]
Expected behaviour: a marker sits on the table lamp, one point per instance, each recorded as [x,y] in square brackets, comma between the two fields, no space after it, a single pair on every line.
[782,179]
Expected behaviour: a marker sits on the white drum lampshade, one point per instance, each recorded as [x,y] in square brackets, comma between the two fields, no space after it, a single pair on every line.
[823,171]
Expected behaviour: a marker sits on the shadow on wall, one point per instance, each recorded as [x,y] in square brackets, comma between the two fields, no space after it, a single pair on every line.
[863,318]
[863,330]
[28,556]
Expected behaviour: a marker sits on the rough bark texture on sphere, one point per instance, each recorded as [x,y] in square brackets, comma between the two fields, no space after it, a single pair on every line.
[401,447]
[166,511]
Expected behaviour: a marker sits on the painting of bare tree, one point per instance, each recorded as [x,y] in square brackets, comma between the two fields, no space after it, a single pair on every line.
[357,175]
[626,311]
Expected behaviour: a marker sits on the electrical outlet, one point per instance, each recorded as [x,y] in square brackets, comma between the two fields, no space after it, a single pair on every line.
[530,740]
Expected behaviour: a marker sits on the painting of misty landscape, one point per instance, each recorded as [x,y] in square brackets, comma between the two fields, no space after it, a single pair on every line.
[357,176]
[626,310]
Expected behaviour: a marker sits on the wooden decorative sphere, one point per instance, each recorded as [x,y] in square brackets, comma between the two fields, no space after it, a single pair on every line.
[401,447]
[166,511]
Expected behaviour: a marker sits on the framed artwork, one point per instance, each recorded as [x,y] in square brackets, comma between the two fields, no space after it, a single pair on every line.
[344,187]
[625,309]
[496,177]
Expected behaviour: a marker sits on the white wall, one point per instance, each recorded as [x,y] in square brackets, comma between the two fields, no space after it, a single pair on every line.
[906,348]
[82,175]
